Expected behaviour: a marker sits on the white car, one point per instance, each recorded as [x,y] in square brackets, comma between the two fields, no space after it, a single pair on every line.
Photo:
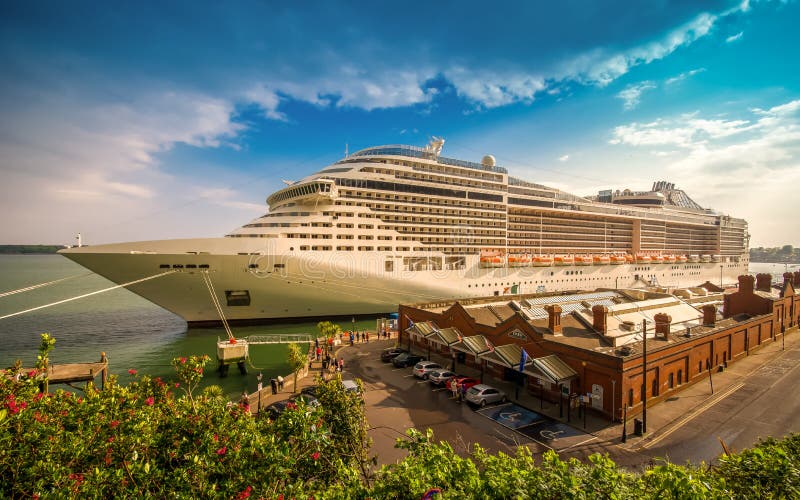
[424,368]
[483,394]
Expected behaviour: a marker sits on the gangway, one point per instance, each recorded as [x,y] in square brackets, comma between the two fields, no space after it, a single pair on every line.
[279,338]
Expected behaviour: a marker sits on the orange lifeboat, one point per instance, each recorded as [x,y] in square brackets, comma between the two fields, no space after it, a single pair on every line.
[492,259]
[643,259]
[681,259]
[656,259]
[542,261]
[618,259]
[602,260]
[563,260]
[520,260]
[583,260]
[629,259]
[670,259]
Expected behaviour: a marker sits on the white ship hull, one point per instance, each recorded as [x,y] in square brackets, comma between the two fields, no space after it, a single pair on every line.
[282,284]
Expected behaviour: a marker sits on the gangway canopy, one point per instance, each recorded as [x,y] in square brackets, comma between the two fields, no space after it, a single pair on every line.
[422,328]
[510,355]
[474,344]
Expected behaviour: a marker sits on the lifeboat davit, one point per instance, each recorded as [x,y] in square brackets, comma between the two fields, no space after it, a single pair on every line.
[602,260]
[563,260]
[519,261]
[618,259]
[643,259]
[542,261]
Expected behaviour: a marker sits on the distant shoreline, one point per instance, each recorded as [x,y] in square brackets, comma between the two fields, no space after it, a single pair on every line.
[29,249]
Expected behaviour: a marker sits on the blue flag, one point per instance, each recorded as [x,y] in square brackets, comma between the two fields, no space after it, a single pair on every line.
[522,360]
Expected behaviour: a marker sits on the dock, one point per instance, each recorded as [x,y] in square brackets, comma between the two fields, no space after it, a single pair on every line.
[69,373]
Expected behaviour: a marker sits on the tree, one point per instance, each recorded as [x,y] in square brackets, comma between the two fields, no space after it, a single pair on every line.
[328,331]
[296,360]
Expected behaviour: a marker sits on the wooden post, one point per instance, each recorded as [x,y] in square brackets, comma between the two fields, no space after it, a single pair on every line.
[104,373]
[644,375]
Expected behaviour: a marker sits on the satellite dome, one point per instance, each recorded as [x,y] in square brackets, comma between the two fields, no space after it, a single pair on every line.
[488,161]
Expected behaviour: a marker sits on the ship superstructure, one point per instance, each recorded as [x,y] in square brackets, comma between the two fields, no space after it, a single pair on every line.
[398,223]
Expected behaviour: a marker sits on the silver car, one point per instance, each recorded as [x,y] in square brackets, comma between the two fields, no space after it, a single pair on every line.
[483,394]
[440,377]
[424,368]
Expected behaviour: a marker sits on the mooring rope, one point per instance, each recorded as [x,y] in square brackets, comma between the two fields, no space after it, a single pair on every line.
[86,295]
[40,285]
[216,303]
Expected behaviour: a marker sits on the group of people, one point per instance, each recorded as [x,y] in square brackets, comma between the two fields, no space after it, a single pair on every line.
[275,383]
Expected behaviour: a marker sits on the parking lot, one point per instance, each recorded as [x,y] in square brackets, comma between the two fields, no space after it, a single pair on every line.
[397,401]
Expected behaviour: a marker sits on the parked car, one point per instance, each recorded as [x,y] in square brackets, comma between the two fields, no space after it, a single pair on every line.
[275,409]
[406,359]
[424,368]
[391,352]
[308,399]
[466,381]
[350,386]
[440,377]
[310,390]
[482,394]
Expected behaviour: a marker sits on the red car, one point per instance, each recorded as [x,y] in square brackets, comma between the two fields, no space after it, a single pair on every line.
[466,381]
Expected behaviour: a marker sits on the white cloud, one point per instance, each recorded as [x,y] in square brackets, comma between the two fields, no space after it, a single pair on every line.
[734,163]
[491,90]
[632,94]
[683,76]
[563,158]
[735,37]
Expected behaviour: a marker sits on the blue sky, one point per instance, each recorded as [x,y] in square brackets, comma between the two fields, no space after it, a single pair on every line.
[130,121]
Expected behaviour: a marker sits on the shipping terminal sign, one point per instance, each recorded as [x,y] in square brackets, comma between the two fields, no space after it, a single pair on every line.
[517,334]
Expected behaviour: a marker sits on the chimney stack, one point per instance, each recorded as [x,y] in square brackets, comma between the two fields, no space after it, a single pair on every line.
[763,282]
[600,318]
[746,282]
[554,319]
[796,279]
[709,315]
[787,278]
[663,322]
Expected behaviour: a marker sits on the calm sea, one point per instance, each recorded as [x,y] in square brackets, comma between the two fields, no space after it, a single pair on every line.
[133,332]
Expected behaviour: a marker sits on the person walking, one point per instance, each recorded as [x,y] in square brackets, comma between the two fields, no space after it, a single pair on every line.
[366,336]
[352,338]
[454,387]
[463,393]
[341,365]
[274,384]
[319,353]
[280,383]
[260,385]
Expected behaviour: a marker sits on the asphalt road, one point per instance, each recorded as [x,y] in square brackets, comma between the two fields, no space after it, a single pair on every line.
[763,404]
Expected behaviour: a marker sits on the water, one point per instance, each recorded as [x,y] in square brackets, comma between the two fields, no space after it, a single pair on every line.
[133,332]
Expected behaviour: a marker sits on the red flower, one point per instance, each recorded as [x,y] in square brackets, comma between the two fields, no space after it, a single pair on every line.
[132,371]
[183,360]
[114,424]
[315,455]
[291,406]
[245,493]
[149,401]
[177,384]
[222,450]
[38,396]
[32,373]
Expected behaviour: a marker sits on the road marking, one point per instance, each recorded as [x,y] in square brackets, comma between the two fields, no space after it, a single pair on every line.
[578,444]
[397,369]
[408,376]
[700,409]
[422,382]
[439,389]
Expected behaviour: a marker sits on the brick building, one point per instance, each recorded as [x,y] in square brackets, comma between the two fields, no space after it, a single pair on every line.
[590,343]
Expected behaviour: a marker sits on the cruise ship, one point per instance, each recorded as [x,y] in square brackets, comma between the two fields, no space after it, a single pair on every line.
[403,224]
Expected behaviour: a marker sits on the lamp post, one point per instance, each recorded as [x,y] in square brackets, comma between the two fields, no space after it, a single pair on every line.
[720,275]
[644,376]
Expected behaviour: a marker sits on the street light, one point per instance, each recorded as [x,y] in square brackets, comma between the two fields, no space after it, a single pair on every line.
[720,275]
[625,423]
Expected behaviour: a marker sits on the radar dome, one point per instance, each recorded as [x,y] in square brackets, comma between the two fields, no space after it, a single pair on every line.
[488,161]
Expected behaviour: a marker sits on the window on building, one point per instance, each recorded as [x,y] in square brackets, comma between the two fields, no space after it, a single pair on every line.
[671,381]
